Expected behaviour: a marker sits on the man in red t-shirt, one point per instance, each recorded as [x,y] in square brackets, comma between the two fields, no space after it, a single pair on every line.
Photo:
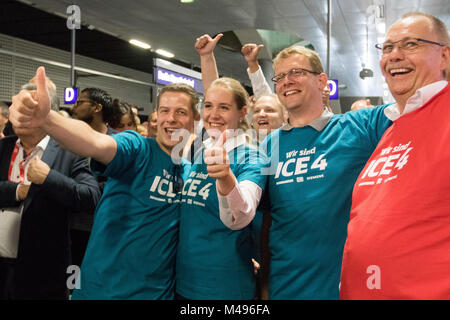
[398,244]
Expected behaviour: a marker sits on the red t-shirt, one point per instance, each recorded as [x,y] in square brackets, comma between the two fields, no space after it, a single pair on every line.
[398,244]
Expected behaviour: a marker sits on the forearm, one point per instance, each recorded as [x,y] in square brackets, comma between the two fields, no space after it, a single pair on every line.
[80,192]
[237,209]
[8,194]
[259,83]
[253,66]
[209,70]
[78,137]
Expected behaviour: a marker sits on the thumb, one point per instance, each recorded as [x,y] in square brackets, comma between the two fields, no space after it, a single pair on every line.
[259,47]
[222,139]
[217,38]
[41,86]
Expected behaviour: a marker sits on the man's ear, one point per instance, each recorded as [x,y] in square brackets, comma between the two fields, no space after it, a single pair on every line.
[98,107]
[323,80]
[197,116]
[445,60]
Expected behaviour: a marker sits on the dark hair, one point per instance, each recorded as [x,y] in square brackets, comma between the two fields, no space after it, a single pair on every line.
[101,97]
[119,109]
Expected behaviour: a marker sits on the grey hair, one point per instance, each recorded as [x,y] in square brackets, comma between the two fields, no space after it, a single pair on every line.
[54,100]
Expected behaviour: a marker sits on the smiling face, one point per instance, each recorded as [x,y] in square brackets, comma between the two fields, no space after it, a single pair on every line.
[220,110]
[301,92]
[174,112]
[406,72]
[267,114]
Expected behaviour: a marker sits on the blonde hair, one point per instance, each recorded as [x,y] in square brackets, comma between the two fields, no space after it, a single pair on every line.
[240,96]
[313,57]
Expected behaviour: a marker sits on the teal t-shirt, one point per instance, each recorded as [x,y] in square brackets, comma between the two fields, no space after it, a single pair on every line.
[213,261]
[132,248]
[310,190]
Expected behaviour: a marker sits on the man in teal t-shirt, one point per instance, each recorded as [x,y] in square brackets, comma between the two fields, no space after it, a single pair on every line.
[131,251]
[315,160]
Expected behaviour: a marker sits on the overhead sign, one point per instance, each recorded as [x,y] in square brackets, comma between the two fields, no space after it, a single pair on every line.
[334,89]
[70,95]
[164,76]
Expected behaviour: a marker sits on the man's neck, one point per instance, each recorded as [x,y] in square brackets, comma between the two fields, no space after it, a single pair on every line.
[99,126]
[30,142]
[302,117]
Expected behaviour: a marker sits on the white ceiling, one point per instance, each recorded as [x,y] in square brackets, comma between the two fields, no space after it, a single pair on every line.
[171,25]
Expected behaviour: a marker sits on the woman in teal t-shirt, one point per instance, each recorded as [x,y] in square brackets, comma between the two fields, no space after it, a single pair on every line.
[214,261]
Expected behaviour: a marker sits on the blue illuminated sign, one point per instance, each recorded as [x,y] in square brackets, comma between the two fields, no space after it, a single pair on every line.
[164,76]
[334,89]
[70,95]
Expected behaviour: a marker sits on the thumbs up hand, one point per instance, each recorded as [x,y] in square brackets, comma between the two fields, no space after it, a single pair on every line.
[250,51]
[205,44]
[218,165]
[30,108]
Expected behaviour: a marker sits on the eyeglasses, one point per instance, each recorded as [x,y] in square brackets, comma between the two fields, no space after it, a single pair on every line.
[177,180]
[78,102]
[297,72]
[405,45]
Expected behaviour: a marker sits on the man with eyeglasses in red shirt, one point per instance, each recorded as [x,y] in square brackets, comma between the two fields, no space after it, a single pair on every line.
[399,232]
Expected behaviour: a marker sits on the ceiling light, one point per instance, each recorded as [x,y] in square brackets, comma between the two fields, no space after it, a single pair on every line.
[186,1]
[165,53]
[140,44]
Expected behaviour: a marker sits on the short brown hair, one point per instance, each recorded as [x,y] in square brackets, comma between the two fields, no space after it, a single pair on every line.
[184,88]
[313,57]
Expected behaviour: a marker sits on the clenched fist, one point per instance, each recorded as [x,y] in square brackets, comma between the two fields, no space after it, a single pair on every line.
[37,171]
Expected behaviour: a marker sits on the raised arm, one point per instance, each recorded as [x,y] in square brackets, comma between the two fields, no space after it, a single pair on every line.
[205,47]
[32,109]
[260,86]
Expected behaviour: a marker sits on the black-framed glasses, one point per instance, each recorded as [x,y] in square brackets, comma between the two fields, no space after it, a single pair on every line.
[78,102]
[405,45]
[177,180]
[297,72]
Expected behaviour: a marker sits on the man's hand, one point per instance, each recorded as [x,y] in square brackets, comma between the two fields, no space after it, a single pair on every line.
[218,166]
[250,52]
[29,109]
[37,171]
[205,44]
[22,191]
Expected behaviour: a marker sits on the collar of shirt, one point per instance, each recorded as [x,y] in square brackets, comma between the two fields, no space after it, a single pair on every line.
[38,150]
[41,146]
[231,143]
[318,123]
[417,100]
